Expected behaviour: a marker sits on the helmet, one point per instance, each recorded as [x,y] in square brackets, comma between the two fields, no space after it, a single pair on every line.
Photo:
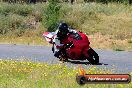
[63,29]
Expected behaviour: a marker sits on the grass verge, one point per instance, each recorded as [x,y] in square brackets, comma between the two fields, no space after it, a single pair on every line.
[15,74]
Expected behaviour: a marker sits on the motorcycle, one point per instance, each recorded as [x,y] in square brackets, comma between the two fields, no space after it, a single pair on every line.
[76,47]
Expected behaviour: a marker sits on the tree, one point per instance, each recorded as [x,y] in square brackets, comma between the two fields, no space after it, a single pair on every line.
[52,15]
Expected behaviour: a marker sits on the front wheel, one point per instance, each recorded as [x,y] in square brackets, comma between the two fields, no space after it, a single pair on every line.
[93,57]
[63,59]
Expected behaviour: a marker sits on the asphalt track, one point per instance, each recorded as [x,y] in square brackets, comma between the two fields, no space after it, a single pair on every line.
[117,61]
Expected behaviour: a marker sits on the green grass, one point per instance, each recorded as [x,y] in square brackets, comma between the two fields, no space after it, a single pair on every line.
[21,74]
[110,22]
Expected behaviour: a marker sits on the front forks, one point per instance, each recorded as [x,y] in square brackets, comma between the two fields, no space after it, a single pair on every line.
[53,49]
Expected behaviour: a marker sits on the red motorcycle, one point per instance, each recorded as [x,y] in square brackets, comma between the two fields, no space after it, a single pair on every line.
[76,47]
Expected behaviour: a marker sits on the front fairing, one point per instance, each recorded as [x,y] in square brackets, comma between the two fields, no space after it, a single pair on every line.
[49,36]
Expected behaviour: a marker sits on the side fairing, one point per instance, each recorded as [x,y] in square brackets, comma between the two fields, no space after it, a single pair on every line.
[80,45]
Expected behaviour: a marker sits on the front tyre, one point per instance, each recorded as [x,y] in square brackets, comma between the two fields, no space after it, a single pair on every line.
[63,59]
[93,57]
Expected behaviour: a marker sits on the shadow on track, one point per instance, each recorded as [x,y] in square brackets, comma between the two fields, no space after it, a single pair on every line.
[86,63]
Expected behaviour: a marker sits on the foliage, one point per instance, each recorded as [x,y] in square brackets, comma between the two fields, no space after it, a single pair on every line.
[112,19]
[19,9]
[118,1]
[21,1]
[78,1]
[11,23]
[52,15]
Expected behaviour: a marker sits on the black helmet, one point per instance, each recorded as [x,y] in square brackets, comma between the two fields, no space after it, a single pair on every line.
[63,26]
[63,29]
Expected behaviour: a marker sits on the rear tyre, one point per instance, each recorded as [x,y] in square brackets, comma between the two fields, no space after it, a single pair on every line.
[91,60]
[93,56]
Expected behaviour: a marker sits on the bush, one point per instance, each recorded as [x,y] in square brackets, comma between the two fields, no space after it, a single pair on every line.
[4,25]
[52,15]
[11,23]
[19,9]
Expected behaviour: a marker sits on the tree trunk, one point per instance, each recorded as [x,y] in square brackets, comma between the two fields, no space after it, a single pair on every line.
[130,1]
[32,1]
[72,1]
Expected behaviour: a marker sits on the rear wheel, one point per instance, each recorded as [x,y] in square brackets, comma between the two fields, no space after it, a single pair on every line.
[63,56]
[93,56]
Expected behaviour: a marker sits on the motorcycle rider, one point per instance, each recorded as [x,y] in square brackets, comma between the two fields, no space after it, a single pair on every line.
[62,32]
